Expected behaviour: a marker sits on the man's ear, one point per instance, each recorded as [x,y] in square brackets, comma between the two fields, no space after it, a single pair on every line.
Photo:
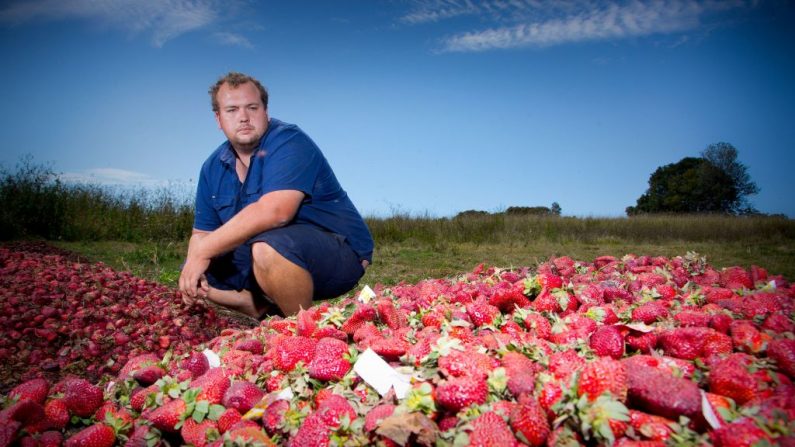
[218,119]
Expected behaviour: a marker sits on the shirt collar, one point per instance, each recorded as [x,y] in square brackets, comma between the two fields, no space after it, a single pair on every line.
[228,156]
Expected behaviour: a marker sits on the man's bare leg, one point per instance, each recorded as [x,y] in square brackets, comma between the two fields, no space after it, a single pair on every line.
[288,285]
[242,301]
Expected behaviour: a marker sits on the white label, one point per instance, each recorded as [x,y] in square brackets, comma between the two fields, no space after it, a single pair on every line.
[366,294]
[379,375]
[212,358]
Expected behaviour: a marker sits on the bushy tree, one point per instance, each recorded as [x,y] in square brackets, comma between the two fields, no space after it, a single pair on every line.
[724,156]
[555,208]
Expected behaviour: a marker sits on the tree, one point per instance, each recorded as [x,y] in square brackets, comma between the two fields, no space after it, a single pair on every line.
[724,156]
[555,209]
[692,185]
[714,183]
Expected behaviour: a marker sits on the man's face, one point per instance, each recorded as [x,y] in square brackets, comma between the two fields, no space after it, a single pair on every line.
[241,115]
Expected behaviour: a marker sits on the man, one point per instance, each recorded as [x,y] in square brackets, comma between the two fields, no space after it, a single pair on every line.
[272,222]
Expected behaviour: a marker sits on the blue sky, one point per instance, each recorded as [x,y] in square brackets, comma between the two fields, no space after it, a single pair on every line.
[433,107]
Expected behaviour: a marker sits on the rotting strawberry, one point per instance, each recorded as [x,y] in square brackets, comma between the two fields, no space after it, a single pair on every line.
[34,389]
[166,417]
[608,341]
[603,375]
[389,315]
[196,363]
[660,393]
[198,434]
[529,422]
[212,385]
[148,375]
[374,417]
[331,360]
[361,314]
[490,430]
[782,351]
[81,397]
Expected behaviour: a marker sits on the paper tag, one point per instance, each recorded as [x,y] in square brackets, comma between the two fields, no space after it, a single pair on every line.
[366,294]
[212,358]
[379,375]
[640,327]
[285,394]
[709,415]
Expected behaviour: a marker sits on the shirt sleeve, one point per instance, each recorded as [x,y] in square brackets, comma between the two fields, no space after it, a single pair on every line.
[295,165]
[205,218]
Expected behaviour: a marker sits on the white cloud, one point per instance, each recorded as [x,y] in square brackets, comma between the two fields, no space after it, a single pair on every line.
[162,20]
[538,23]
[111,176]
[232,39]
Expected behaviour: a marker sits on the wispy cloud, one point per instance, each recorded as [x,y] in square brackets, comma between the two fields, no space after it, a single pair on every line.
[232,39]
[538,23]
[111,176]
[161,20]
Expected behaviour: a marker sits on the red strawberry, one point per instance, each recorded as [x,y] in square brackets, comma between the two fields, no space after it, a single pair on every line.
[196,363]
[731,377]
[640,341]
[50,439]
[538,325]
[34,389]
[167,417]
[139,396]
[389,348]
[196,433]
[607,341]
[213,385]
[460,392]
[521,373]
[661,393]
[228,418]
[745,337]
[603,375]
[137,363]
[490,430]
[329,361]
[287,351]
[481,313]
[736,278]
[362,314]
[692,318]
[649,426]
[376,415]
[251,345]
[119,416]
[741,433]
[8,431]
[148,375]
[273,418]
[81,397]
[650,312]
[459,363]
[389,315]
[306,324]
[57,413]
[97,435]
[529,422]
[313,432]
[242,396]
[563,364]
[782,351]
[333,407]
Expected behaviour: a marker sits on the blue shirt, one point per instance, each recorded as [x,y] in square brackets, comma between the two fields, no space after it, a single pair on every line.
[285,159]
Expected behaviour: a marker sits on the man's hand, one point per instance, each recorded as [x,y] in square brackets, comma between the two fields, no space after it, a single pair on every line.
[192,282]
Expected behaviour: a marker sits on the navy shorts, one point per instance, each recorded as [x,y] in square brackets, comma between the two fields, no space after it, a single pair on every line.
[334,266]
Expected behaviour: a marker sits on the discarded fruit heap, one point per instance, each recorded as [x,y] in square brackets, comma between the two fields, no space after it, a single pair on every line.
[62,316]
[633,351]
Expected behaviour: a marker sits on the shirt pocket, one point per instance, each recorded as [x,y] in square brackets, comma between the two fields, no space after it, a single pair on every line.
[224,206]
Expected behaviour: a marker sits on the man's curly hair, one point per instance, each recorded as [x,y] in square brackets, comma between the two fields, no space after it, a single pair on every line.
[235,79]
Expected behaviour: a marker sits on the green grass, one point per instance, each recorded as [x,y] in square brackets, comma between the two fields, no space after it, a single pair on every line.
[145,232]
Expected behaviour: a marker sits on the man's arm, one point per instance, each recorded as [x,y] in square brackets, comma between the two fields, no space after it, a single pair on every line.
[272,210]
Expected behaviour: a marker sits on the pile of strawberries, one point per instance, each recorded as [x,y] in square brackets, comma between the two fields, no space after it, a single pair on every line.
[60,316]
[638,351]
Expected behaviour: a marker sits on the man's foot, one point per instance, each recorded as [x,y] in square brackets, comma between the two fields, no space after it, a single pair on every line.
[242,301]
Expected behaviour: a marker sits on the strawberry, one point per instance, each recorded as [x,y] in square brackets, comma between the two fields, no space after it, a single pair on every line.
[251,345]
[731,377]
[747,338]
[136,363]
[119,417]
[313,432]
[273,417]
[607,341]
[490,430]
[391,348]
[481,313]
[361,314]
[81,397]
[376,415]
[741,433]
[458,363]
[227,419]
[212,384]
[196,363]
[656,428]
[782,351]
[34,389]
[529,422]
[139,397]
[8,431]
[460,392]
[25,411]
[661,393]
[50,439]
[329,361]
[689,343]
[650,312]
[332,408]
[603,375]
[97,435]
[538,325]
[692,318]
[148,375]
[507,298]
[286,351]
[166,417]
[520,371]
[563,364]
[198,433]
[56,413]
[242,396]
[736,278]
[306,324]
[389,315]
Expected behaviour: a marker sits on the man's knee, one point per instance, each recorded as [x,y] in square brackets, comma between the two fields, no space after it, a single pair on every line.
[263,255]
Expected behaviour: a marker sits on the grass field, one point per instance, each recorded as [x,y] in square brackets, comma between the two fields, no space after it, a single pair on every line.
[145,232]
[414,249]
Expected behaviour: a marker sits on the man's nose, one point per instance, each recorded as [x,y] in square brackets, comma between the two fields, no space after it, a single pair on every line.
[243,115]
